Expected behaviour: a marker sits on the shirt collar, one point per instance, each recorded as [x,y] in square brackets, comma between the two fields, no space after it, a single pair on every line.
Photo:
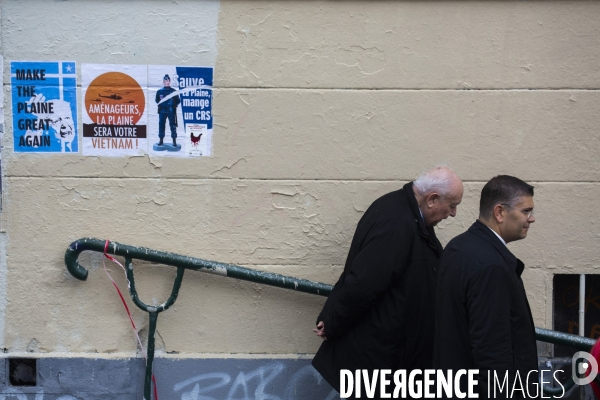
[499,237]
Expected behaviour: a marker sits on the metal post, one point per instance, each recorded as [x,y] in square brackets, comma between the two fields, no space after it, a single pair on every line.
[581,317]
[150,355]
[582,305]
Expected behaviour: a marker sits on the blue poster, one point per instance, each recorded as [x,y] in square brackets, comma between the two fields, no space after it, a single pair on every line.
[197,82]
[195,85]
[44,106]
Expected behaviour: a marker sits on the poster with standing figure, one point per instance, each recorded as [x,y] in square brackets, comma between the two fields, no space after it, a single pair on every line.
[180,120]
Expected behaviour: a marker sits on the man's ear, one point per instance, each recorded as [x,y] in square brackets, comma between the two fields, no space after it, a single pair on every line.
[431,198]
[498,216]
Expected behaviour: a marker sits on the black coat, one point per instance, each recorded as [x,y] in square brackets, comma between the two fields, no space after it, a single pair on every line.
[169,106]
[380,313]
[483,320]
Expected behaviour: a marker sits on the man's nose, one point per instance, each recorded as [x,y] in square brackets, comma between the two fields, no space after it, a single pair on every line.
[453,213]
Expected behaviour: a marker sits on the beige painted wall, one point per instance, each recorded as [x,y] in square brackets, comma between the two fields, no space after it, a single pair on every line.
[320,107]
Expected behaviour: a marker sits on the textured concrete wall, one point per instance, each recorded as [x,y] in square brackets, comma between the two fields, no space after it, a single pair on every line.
[320,107]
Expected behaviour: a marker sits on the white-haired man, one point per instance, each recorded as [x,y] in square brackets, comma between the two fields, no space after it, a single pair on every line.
[380,313]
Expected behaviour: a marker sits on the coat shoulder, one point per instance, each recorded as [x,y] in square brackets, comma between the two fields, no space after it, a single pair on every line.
[472,251]
[392,209]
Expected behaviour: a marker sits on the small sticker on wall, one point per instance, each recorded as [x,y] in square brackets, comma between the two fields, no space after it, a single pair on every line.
[44,106]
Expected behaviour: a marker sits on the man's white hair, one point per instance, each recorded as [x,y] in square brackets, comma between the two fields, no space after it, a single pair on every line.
[439,179]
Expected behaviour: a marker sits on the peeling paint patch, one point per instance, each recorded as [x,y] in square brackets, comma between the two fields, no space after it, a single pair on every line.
[245,98]
[228,167]
[368,60]
[284,201]
[285,191]
[217,271]
[295,199]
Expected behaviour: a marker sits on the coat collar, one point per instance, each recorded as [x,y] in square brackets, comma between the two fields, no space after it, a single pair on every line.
[427,232]
[479,229]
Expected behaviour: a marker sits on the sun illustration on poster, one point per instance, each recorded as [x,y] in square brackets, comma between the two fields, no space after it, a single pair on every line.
[114,98]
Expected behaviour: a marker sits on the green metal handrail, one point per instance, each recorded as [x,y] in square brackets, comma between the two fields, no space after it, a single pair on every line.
[578,342]
[233,271]
[196,264]
[182,263]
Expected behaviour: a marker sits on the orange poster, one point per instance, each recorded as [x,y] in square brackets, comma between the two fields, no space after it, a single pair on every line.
[114,109]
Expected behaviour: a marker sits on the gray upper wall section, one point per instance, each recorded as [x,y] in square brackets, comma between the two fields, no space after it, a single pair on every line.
[110,32]
[325,44]
[410,44]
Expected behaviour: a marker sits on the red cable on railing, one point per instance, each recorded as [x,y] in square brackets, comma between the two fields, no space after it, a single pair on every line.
[111,258]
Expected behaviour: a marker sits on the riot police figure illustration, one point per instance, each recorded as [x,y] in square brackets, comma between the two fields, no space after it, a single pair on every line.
[167,109]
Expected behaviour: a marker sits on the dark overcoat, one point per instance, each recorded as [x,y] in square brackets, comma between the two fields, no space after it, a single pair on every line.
[380,312]
[483,320]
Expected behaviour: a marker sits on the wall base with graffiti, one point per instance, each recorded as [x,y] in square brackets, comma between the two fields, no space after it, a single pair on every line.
[185,379]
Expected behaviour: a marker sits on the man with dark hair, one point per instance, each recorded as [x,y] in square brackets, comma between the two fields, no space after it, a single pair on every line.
[482,316]
[379,314]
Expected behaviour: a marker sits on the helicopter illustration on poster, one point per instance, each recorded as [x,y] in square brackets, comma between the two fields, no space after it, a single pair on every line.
[114,96]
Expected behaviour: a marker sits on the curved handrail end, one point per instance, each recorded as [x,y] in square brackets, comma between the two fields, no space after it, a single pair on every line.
[71,256]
